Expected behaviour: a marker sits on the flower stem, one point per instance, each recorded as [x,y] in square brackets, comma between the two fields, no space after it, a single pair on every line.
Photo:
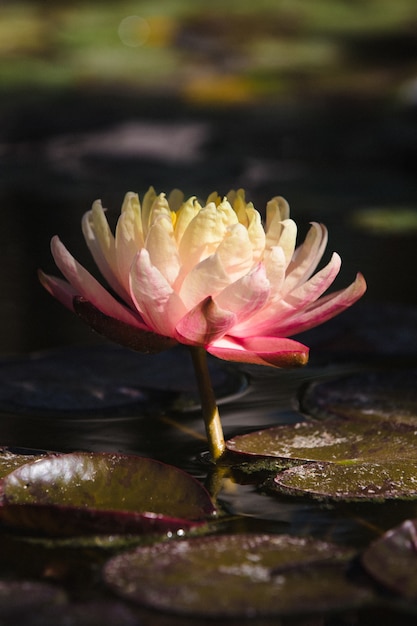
[211,415]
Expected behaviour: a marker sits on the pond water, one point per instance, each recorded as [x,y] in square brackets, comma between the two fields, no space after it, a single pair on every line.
[330,164]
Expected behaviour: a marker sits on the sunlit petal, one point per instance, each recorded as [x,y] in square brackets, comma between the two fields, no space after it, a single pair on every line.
[275,351]
[158,303]
[100,241]
[207,278]
[324,309]
[129,237]
[86,285]
[205,323]
[162,248]
[247,295]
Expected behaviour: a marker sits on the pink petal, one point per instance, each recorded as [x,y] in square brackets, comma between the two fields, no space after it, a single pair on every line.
[275,351]
[59,288]
[306,257]
[311,290]
[205,323]
[323,309]
[271,319]
[159,304]
[84,284]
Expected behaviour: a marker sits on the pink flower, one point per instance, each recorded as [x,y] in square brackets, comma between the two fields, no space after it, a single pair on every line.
[209,276]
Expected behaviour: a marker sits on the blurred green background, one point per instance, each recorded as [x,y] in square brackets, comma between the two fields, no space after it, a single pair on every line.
[315,100]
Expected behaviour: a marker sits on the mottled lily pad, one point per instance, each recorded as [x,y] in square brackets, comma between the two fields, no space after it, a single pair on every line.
[10,461]
[102,493]
[237,575]
[388,395]
[392,559]
[362,481]
[331,441]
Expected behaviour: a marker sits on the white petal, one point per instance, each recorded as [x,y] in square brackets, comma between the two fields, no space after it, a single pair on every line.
[162,248]
[158,303]
[207,278]
[306,257]
[235,252]
[129,237]
[275,266]
[100,242]
[247,295]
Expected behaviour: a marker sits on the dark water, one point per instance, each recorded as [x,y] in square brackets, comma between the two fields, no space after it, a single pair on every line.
[328,162]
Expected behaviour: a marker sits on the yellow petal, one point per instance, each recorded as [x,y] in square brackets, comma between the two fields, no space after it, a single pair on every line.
[184,215]
[205,232]
[276,209]
[162,248]
[129,236]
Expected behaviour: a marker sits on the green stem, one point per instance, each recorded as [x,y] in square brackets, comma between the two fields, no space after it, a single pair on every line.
[208,403]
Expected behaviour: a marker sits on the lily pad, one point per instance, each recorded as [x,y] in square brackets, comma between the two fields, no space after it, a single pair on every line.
[332,441]
[107,380]
[102,493]
[9,460]
[237,576]
[388,395]
[18,598]
[392,559]
[363,481]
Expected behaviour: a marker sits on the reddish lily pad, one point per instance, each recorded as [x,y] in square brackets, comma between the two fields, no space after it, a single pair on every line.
[331,441]
[391,480]
[237,576]
[390,395]
[102,493]
[392,559]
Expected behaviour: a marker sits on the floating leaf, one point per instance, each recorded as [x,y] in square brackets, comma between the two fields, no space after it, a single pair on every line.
[362,481]
[332,441]
[9,460]
[392,559]
[236,575]
[18,598]
[390,395]
[87,492]
[106,380]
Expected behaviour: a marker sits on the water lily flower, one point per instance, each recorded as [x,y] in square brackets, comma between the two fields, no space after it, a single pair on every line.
[211,277]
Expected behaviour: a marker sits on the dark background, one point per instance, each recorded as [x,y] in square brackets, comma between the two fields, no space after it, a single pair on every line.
[316,101]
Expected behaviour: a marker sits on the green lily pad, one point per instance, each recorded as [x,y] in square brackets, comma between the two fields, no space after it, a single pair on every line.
[237,576]
[333,441]
[390,396]
[392,559]
[363,481]
[102,493]
[10,461]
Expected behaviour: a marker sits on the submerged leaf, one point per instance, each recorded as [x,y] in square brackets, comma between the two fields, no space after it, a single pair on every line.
[389,396]
[237,575]
[392,559]
[361,481]
[332,441]
[87,492]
